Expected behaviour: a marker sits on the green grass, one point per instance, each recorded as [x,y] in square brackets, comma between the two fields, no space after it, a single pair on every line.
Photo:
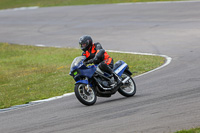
[31,73]
[193,130]
[5,4]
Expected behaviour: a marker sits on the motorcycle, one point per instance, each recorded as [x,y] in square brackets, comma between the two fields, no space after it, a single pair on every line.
[92,82]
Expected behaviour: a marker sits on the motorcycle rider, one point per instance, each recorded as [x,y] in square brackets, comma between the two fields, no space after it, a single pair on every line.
[96,54]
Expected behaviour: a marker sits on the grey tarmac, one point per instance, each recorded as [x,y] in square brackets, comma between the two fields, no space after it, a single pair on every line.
[167,100]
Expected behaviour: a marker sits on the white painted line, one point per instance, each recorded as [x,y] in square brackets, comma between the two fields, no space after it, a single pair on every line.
[124,4]
[20,9]
[156,2]
[53,98]
[168,60]
[25,8]
[167,2]
[120,4]
[43,45]
[40,45]
[34,102]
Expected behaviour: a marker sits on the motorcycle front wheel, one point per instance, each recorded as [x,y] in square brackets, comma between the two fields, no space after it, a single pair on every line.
[86,96]
[129,88]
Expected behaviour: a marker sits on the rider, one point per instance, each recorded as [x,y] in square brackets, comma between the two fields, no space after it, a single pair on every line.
[96,54]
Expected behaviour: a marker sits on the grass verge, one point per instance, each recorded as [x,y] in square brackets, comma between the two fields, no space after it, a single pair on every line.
[31,73]
[193,130]
[5,4]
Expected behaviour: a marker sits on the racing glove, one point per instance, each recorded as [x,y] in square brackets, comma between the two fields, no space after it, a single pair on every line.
[89,62]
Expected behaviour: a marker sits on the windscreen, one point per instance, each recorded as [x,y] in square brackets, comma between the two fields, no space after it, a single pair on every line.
[77,60]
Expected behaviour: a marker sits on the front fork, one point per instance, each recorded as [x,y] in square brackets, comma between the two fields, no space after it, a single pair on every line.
[87,87]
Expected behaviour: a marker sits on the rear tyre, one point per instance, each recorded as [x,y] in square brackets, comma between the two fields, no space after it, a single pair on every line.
[85,96]
[129,88]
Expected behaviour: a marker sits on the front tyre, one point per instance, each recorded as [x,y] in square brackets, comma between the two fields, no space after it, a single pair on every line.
[84,95]
[129,88]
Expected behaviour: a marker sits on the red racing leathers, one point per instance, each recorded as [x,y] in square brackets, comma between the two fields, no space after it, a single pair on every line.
[99,56]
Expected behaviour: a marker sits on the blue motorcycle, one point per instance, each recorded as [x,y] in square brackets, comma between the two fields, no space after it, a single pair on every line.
[92,82]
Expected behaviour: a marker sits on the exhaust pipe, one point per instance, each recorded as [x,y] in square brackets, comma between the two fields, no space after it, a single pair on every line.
[125,80]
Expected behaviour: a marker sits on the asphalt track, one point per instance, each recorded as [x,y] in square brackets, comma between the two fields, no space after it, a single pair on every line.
[166,100]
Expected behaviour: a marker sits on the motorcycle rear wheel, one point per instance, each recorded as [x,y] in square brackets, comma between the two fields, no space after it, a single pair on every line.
[85,97]
[129,88]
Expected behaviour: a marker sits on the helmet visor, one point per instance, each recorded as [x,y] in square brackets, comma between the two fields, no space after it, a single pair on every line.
[83,46]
